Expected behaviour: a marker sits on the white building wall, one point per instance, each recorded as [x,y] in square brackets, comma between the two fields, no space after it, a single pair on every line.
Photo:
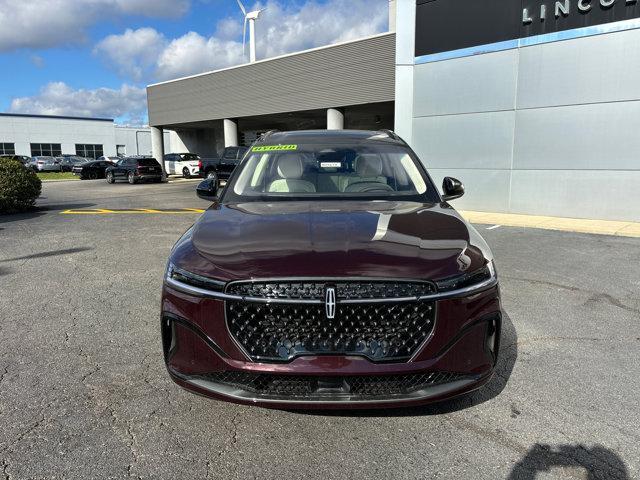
[547,129]
[24,130]
[137,141]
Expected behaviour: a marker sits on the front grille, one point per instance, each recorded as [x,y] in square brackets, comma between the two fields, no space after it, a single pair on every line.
[361,387]
[314,290]
[381,330]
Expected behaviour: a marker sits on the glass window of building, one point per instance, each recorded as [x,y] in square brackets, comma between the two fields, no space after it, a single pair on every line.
[89,151]
[7,149]
[46,149]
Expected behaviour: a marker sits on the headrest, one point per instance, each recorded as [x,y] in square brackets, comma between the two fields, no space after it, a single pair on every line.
[369,165]
[290,167]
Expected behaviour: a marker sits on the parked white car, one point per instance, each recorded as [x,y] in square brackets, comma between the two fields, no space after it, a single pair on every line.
[185,164]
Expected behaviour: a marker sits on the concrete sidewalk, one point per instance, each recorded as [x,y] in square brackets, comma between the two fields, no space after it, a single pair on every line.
[600,227]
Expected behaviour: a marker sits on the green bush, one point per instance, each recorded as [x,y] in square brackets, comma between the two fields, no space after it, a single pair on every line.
[19,186]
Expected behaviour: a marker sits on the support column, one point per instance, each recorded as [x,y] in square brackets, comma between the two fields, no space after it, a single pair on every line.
[405,61]
[392,15]
[157,146]
[335,119]
[230,133]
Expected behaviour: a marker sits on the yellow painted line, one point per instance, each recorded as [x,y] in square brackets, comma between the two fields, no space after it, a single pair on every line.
[579,225]
[599,227]
[137,211]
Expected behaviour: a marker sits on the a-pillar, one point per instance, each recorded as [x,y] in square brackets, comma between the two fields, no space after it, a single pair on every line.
[230,133]
[335,119]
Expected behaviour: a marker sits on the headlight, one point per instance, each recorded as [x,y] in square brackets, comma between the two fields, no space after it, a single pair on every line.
[478,278]
[192,279]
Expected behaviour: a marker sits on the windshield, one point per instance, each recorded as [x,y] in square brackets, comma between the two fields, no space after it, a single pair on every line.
[337,171]
[148,162]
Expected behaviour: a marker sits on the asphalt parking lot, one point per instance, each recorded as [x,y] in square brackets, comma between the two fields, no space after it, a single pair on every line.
[84,393]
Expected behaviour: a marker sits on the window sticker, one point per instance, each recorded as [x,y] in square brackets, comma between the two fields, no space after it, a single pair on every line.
[330,164]
[274,148]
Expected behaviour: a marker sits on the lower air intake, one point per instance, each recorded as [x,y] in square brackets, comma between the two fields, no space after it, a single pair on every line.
[356,387]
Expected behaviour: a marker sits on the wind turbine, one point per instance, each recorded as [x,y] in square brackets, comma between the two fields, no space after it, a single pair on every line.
[251,17]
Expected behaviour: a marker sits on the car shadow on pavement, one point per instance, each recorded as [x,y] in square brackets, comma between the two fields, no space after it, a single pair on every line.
[64,206]
[598,462]
[39,211]
[52,253]
[506,362]
[18,217]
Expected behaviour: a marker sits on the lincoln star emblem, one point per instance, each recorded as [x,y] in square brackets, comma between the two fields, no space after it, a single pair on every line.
[330,302]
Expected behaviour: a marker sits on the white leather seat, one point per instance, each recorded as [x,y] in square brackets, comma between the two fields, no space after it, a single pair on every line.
[290,170]
[368,167]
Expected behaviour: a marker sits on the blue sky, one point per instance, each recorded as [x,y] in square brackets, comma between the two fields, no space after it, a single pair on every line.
[94,57]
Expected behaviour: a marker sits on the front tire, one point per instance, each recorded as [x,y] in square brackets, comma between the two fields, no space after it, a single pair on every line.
[186,173]
[110,178]
[132,179]
[211,174]
[93,176]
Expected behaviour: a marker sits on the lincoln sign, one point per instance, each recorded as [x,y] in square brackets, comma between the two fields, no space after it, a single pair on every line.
[485,22]
[563,9]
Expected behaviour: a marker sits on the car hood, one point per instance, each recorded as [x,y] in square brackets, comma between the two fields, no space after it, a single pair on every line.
[332,239]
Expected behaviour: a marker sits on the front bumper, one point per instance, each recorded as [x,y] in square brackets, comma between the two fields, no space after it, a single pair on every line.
[458,357]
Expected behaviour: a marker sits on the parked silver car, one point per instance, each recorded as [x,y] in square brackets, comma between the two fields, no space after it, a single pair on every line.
[47,164]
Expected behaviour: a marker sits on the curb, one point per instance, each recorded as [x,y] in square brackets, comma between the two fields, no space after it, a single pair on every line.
[53,180]
[184,180]
[578,225]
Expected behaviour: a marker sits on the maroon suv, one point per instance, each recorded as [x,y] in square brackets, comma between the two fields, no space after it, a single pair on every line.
[331,273]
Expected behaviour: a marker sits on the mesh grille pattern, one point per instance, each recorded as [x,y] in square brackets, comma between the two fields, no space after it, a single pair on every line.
[364,387]
[379,331]
[314,290]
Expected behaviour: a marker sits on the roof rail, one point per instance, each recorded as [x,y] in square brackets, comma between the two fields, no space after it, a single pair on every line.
[394,136]
[391,134]
[266,135]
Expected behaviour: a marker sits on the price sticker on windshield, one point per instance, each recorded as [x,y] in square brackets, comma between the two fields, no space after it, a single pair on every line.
[330,164]
[275,148]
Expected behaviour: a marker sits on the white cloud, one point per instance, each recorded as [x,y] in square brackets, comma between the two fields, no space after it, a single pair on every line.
[133,53]
[147,54]
[193,53]
[228,29]
[51,23]
[281,31]
[58,98]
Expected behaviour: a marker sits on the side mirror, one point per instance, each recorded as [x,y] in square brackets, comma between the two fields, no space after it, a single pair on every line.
[452,188]
[208,189]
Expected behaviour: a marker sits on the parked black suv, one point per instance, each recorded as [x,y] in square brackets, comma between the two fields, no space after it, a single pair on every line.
[134,170]
[91,170]
[224,167]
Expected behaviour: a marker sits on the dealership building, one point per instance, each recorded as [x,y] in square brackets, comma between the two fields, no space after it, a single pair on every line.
[34,135]
[533,104]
